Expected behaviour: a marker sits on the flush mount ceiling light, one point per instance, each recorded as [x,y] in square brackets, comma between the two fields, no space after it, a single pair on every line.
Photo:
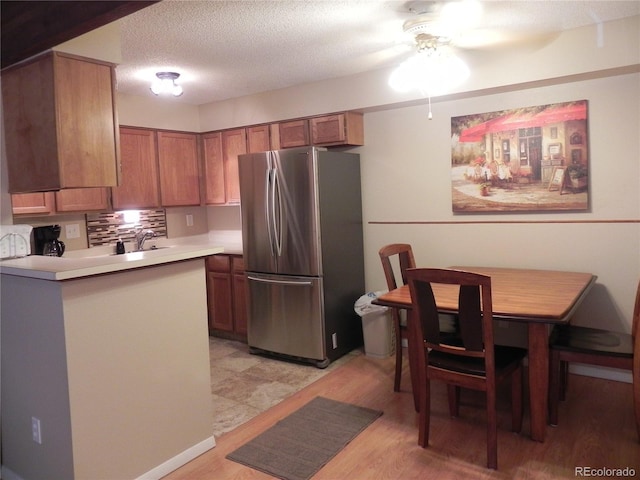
[166,83]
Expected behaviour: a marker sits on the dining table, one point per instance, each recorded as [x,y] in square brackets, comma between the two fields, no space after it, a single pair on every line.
[538,298]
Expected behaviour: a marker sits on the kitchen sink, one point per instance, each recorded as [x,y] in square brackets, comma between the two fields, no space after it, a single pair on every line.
[144,250]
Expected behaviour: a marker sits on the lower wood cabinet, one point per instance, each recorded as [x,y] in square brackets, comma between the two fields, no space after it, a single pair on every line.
[226,297]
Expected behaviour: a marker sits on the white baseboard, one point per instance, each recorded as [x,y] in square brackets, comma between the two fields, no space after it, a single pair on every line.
[153,474]
[178,461]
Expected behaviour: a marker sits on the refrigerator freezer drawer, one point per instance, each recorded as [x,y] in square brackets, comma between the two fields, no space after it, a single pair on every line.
[286,315]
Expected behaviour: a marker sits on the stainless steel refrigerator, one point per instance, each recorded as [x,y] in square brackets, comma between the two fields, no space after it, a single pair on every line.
[303,252]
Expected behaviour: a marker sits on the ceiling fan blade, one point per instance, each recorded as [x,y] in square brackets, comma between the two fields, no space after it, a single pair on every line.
[495,39]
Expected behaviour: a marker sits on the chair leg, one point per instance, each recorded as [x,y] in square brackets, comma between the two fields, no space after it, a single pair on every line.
[516,400]
[453,392]
[492,430]
[425,414]
[636,389]
[398,375]
[555,385]
[564,380]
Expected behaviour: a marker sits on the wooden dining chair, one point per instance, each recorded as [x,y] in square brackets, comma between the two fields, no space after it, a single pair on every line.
[592,346]
[467,358]
[396,259]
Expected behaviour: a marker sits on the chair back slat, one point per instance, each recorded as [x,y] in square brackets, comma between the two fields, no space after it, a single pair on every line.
[402,256]
[636,314]
[470,317]
[474,312]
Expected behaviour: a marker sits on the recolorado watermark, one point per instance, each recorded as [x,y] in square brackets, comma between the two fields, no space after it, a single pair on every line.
[604,472]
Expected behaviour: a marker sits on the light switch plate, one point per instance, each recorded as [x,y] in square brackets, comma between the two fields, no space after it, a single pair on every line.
[72,230]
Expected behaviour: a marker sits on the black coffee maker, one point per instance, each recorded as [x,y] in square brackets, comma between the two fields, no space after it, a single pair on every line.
[46,241]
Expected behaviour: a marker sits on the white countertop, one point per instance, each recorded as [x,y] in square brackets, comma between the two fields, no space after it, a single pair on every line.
[71,267]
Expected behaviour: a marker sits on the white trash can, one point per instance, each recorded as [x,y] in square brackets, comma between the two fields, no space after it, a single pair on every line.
[377,326]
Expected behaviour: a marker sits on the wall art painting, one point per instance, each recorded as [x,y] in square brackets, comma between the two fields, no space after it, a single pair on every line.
[526,159]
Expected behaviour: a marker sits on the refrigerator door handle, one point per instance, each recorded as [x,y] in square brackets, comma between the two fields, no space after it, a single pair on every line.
[280,282]
[277,212]
[268,210]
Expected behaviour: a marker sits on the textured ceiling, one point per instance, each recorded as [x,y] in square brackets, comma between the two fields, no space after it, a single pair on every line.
[227,49]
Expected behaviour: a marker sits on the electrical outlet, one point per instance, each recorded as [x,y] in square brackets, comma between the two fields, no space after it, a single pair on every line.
[334,340]
[189,220]
[36,433]
[72,230]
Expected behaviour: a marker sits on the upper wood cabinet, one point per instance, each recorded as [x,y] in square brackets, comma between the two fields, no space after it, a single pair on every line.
[234,143]
[220,152]
[294,133]
[139,181]
[258,139]
[42,203]
[60,123]
[213,160]
[178,168]
[62,201]
[82,199]
[340,129]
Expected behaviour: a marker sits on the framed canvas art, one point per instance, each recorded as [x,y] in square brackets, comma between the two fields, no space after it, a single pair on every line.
[509,160]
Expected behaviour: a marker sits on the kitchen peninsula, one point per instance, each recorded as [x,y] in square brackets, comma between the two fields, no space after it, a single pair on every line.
[105,364]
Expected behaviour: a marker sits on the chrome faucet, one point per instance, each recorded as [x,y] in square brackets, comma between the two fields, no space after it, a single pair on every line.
[141,236]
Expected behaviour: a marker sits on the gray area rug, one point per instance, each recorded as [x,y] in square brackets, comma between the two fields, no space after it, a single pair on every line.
[299,445]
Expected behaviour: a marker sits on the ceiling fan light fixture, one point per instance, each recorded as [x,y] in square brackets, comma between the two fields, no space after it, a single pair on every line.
[433,71]
[166,83]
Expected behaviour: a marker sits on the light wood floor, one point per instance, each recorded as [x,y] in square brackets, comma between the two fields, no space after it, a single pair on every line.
[596,430]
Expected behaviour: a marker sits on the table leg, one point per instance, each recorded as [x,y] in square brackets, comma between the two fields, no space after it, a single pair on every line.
[413,359]
[538,378]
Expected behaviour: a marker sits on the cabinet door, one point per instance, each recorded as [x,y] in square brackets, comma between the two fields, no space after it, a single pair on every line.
[219,293]
[294,134]
[66,132]
[178,168]
[139,180]
[213,169]
[219,299]
[340,129]
[82,199]
[234,143]
[32,203]
[258,139]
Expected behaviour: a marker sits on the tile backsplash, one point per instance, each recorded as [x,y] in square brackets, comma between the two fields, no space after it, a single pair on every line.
[108,228]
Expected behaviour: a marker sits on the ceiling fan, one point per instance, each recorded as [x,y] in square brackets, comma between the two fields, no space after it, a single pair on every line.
[438,29]
[434,68]
[468,25]
[441,22]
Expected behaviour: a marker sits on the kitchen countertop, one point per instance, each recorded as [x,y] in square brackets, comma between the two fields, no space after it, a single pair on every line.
[76,266]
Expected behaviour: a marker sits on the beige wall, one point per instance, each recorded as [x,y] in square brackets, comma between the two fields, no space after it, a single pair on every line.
[406,178]
[143,398]
[405,161]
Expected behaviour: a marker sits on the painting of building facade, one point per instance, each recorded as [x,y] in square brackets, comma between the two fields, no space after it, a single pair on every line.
[526,159]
